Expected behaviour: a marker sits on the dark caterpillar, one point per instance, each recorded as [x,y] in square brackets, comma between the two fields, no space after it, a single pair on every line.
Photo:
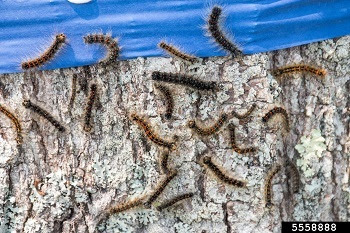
[74,90]
[16,123]
[184,80]
[293,173]
[268,184]
[211,129]
[88,109]
[164,162]
[169,100]
[126,205]
[231,128]
[174,201]
[277,110]
[176,52]
[246,114]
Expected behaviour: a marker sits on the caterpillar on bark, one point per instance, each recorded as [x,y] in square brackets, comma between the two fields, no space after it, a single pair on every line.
[208,130]
[239,150]
[15,121]
[300,68]
[268,184]
[174,201]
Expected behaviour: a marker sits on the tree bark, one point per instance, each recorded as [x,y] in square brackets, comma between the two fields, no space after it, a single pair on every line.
[65,182]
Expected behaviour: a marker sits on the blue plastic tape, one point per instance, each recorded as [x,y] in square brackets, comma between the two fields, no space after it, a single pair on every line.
[27,27]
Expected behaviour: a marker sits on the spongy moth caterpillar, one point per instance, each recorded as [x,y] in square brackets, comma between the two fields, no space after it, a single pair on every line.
[160,188]
[218,35]
[277,110]
[15,122]
[48,55]
[151,134]
[29,105]
[293,173]
[74,90]
[169,99]
[88,109]
[232,130]
[174,201]
[163,162]
[126,205]
[110,43]
[268,184]
[246,114]
[211,129]
[172,50]
[299,68]
[221,174]
[184,80]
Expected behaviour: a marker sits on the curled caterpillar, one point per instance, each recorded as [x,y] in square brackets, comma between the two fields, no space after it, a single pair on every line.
[88,109]
[299,68]
[74,90]
[172,50]
[218,35]
[293,173]
[151,134]
[15,122]
[232,130]
[277,110]
[29,105]
[48,55]
[110,43]
[268,184]
[169,100]
[126,205]
[221,174]
[211,129]
[160,188]
[174,201]
[184,80]
[246,114]
[164,162]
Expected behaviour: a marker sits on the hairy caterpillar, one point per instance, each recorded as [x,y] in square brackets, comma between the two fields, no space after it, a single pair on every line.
[232,130]
[151,134]
[110,43]
[274,111]
[127,205]
[299,68]
[221,175]
[211,129]
[172,50]
[169,100]
[48,55]
[74,90]
[29,105]
[160,188]
[184,80]
[246,114]
[89,105]
[16,123]
[164,162]
[36,185]
[293,173]
[174,200]
[218,35]
[268,184]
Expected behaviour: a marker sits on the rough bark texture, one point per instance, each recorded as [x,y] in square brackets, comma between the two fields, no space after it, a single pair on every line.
[65,182]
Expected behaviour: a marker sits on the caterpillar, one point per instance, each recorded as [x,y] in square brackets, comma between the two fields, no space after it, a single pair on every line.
[74,90]
[293,173]
[127,205]
[184,80]
[110,43]
[211,129]
[232,130]
[268,184]
[169,100]
[29,105]
[277,110]
[88,109]
[246,114]
[160,188]
[174,200]
[48,55]
[164,162]
[299,68]
[221,174]
[151,134]
[15,121]
[172,50]
[218,35]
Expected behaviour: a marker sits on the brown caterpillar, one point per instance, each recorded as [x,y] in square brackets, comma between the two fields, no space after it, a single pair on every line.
[174,201]
[246,114]
[268,184]
[74,90]
[293,173]
[110,43]
[221,174]
[151,134]
[211,129]
[160,188]
[88,109]
[127,205]
[48,55]
[169,100]
[172,50]
[218,35]
[232,130]
[29,105]
[164,162]
[299,68]
[15,122]
[274,111]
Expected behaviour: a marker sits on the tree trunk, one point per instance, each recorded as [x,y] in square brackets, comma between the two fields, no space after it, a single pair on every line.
[67,182]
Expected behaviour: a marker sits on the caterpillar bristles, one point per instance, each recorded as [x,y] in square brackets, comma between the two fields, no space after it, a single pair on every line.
[211,129]
[172,50]
[293,174]
[268,184]
[274,111]
[169,100]
[127,205]
[88,109]
[281,71]
[174,201]
[246,114]
[237,149]
[15,122]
